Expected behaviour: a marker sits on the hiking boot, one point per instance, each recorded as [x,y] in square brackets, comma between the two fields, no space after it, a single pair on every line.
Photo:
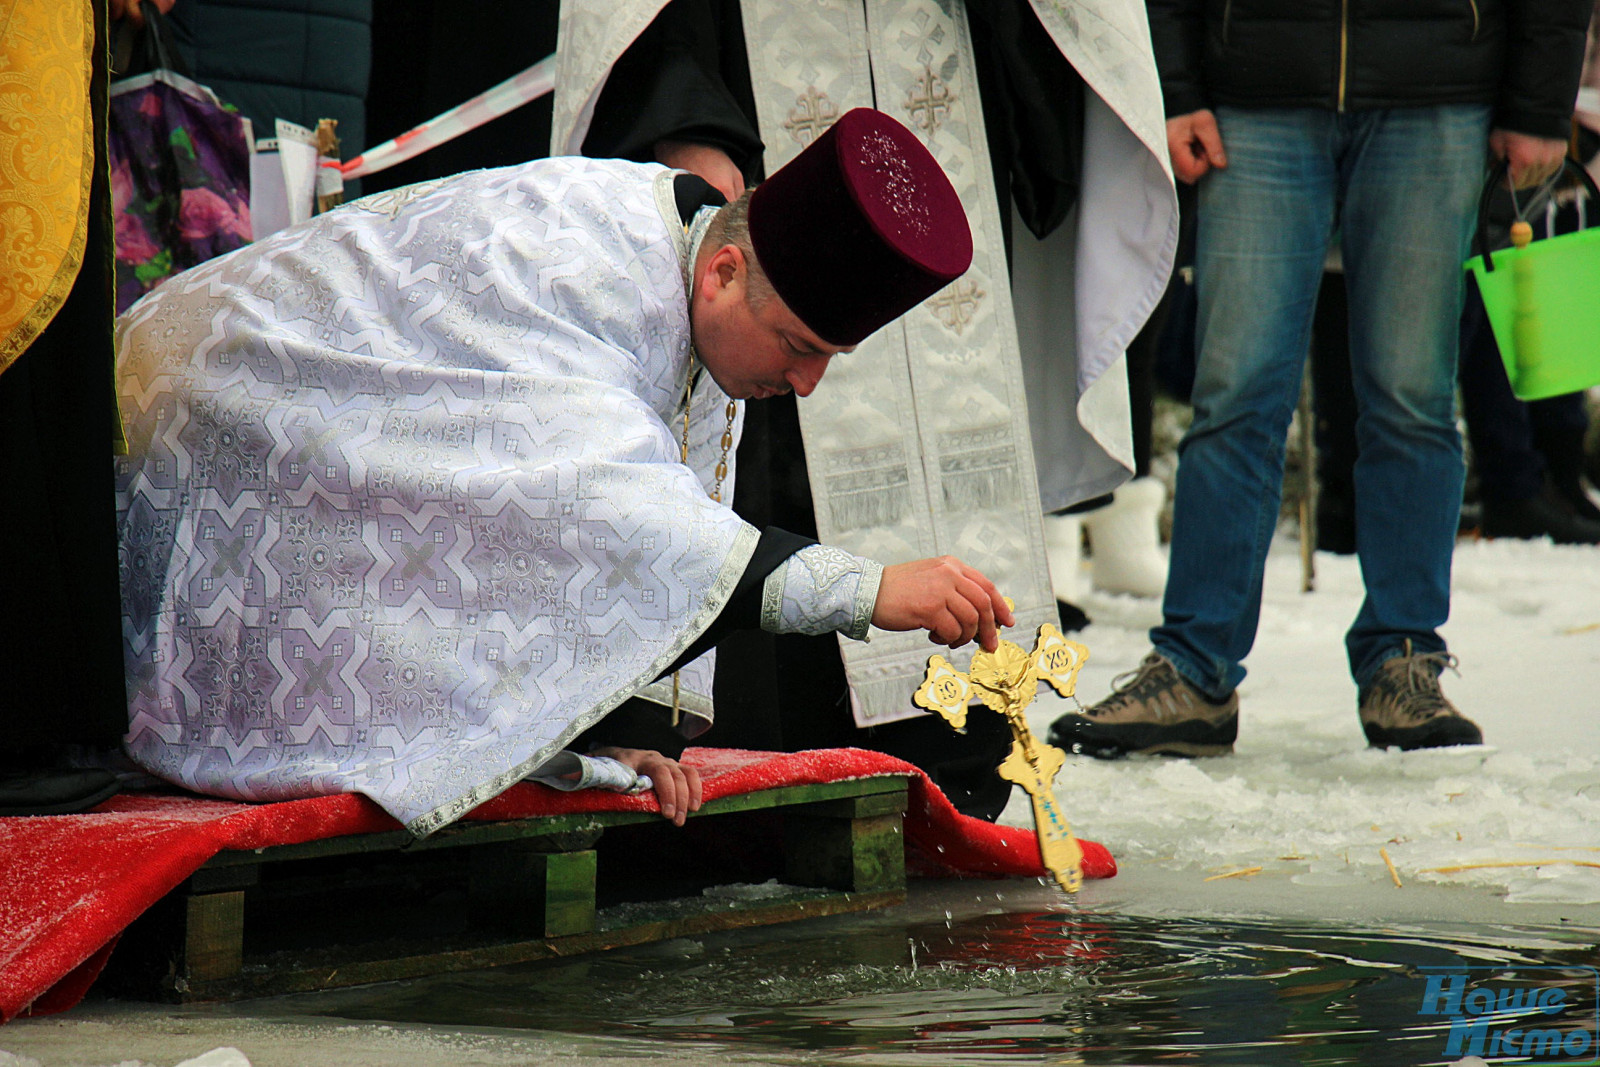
[1152,710]
[1403,707]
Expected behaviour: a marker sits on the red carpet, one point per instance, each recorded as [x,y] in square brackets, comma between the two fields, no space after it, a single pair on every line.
[72,883]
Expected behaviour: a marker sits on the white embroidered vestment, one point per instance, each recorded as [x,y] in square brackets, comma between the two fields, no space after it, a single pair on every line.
[405,510]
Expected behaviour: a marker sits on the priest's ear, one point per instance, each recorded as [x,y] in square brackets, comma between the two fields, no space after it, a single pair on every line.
[726,270]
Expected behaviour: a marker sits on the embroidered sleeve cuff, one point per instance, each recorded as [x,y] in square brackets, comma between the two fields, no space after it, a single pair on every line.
[821,590]
[772,598]
[866,600]
[569,771]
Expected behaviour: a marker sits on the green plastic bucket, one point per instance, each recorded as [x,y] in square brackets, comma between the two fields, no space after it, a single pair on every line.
[1544,306]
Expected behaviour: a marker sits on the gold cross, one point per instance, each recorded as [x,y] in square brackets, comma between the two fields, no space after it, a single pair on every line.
[1006,680]
[928,101]
[957,304]
[812,113]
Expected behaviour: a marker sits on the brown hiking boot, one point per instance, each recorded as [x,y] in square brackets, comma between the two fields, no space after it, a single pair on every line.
[1152,710]
[1403,707]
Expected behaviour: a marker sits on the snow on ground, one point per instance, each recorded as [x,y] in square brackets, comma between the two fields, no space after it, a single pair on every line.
[1305,799]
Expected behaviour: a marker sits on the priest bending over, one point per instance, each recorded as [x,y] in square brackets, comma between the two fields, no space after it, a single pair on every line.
[421,490]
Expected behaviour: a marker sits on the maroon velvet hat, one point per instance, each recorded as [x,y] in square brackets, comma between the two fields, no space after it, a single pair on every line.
[859,228]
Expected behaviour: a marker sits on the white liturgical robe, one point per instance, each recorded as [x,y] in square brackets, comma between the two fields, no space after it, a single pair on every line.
[404,510]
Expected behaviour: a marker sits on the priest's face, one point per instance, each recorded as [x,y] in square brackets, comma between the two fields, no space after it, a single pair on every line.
[752,350]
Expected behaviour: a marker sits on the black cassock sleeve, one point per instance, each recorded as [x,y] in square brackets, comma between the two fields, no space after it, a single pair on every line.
[685,78]
[743,610]
[1033,110]
[639,723]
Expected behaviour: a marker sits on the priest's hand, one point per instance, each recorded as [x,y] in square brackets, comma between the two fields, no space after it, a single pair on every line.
[677,787]
[944,596]
[712,164]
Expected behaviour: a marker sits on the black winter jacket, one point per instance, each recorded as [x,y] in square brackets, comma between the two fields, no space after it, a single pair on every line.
[1522,56]
[301,60]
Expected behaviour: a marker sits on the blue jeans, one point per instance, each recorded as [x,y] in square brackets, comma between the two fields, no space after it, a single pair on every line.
[1400,186]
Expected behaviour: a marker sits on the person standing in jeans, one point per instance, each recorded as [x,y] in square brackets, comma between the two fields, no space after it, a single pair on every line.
[1299,119]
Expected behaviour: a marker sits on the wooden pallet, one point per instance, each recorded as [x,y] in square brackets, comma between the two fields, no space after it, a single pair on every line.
[381,907]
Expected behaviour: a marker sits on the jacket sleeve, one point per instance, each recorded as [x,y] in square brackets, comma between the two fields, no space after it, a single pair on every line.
[1544,57]
[1177,32]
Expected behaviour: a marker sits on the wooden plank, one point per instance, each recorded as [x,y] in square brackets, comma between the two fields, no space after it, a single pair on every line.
[476,833]
[567,903]
[529,893]
[458,835]
[273,978]
[213,939]
[223,878]
[531,886]
[857,807]
[791,795]
[860,855]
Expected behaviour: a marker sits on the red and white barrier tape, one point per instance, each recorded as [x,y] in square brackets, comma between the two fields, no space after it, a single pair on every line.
[509,95]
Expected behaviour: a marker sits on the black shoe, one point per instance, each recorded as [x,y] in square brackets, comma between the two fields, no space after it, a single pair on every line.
[1072,617]
[1576,499]
[54,792]
[1151,710]
[1562,449]
[1544,515]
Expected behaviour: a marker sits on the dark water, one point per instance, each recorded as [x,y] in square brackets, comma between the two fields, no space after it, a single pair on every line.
[1047,985]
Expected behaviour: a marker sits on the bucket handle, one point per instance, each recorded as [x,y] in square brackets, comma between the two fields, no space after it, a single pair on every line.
[1496,175]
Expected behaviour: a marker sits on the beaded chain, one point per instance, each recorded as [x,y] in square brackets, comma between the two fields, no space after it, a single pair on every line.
[732,412]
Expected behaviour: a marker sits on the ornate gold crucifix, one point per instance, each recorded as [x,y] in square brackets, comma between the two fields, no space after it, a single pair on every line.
[1007,680]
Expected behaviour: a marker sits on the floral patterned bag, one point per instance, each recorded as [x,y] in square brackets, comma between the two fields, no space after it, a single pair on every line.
[180,174]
